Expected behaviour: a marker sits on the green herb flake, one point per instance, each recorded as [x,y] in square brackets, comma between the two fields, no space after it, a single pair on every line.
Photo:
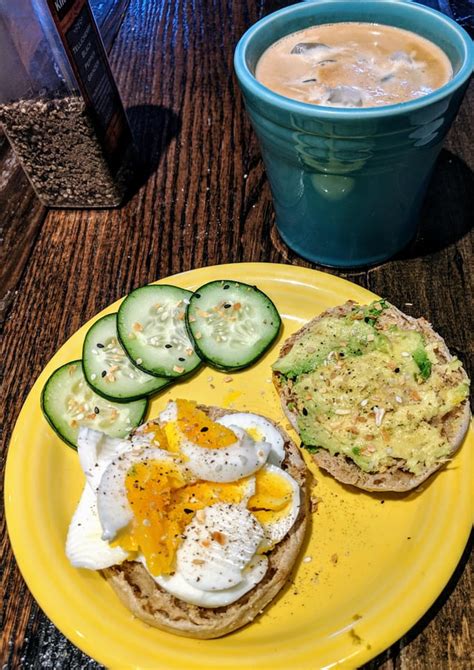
[374,310]
[311,449]
[356,451]
[423,362]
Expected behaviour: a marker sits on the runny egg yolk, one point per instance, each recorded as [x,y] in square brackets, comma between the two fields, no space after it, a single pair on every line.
[192,424]
[272,499]
[158,436]
[197,427]
[149,486]
[163,505]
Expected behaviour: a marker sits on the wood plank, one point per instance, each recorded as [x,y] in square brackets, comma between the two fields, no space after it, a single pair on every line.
[22,216]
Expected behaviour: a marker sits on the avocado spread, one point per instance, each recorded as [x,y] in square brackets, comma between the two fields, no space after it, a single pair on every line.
[375,392]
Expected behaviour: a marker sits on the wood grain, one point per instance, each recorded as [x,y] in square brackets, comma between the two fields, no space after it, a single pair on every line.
[202,198]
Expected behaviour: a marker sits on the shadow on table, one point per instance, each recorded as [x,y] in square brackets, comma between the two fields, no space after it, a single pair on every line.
[153,129]
[446,215]
[428,616]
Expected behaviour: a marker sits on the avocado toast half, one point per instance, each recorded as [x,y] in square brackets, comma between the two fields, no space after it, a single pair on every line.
[376,396]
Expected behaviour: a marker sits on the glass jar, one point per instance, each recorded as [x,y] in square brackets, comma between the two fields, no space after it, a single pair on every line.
[59,105]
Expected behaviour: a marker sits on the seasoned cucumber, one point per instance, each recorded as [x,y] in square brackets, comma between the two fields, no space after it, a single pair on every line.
[108,369]
[151,327]
[68,402]
[232,324]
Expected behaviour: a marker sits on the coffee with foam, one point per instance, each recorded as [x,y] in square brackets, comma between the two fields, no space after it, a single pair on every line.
[353,65]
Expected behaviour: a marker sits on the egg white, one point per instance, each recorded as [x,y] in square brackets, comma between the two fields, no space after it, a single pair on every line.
[170,413]
[176,585]
[275,531]
[218,544]
[227,464]
[270,435]
[96,450]
[85,547]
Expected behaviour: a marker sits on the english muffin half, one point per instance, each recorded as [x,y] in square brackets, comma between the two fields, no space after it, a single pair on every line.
[157,607]
[375,395]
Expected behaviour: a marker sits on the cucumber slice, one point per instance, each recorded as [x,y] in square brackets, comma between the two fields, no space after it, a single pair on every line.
[68,402]
[232,324]
[151,327]
[108,369]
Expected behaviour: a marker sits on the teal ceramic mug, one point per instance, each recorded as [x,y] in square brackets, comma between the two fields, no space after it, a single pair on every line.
[348,184]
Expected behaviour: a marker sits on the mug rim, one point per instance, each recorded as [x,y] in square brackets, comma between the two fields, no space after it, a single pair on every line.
[248,80]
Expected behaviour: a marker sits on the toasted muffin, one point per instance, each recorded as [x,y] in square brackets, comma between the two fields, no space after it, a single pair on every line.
[376,396]
[157,607]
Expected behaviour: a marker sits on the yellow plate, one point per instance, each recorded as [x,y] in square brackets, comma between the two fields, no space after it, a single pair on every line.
[371,566]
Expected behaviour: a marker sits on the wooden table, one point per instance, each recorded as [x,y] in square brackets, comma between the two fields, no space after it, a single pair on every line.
[204,199]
